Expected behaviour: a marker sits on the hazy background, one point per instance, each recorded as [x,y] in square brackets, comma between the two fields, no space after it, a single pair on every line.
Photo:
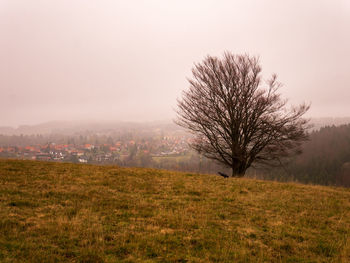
[128,60]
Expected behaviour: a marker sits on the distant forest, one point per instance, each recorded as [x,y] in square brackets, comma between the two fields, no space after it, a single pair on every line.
[325,159]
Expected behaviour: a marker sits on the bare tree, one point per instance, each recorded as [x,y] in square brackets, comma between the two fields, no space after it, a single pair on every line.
[235,119]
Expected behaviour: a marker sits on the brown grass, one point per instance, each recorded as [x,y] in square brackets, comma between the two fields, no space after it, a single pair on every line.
[54,212]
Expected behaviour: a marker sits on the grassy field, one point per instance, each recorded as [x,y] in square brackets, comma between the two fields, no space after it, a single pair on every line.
[55,212]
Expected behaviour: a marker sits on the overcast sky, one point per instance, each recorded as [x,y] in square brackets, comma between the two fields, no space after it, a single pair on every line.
[128,60]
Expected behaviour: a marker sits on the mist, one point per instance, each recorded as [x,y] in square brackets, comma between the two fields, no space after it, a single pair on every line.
[129,60]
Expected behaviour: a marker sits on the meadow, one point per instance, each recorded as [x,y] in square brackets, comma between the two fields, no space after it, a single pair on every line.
[61,212]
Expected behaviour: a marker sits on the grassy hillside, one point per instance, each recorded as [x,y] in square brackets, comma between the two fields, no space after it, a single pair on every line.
[54,212]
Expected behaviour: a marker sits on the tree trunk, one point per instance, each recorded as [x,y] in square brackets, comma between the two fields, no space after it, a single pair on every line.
[238,170]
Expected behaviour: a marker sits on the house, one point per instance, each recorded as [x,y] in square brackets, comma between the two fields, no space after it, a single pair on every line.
[89,146]
[83,159]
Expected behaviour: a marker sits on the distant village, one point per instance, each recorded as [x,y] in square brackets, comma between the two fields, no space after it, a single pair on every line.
[119,152]
[155,145]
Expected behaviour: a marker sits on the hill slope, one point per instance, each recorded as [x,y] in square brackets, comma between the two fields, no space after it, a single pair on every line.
[54,212]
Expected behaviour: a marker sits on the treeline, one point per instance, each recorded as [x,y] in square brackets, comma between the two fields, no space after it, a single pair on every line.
[325,159]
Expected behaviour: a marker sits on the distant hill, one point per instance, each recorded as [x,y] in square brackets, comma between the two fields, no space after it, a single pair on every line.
[81,127]
[57,212]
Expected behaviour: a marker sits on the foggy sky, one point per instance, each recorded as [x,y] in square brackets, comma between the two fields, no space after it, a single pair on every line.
[128,60]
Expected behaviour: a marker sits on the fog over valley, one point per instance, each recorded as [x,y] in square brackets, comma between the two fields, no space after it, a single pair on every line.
[128,60]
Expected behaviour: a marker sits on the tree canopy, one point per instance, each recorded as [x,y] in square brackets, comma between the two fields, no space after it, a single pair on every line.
[236,119]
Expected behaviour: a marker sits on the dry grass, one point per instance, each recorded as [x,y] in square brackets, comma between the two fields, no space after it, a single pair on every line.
[52,212]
